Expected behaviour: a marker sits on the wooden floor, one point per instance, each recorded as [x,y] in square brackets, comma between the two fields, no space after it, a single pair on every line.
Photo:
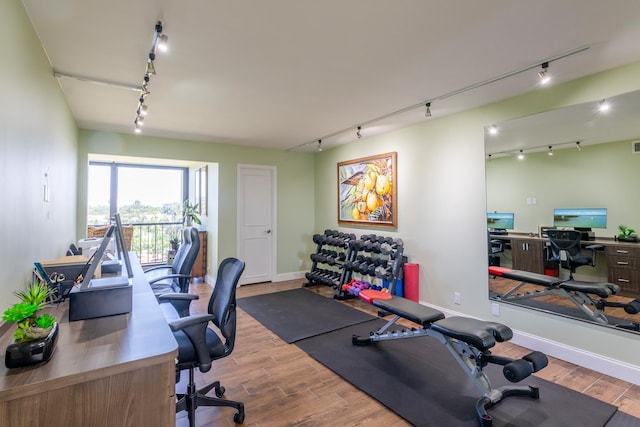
[280,385]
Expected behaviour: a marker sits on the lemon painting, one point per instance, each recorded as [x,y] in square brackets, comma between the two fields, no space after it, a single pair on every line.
[366,190]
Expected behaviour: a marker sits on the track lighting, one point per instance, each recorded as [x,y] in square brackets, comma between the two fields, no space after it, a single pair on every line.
[545,78]
[493,129]
[159,42]
[521,155]
[550,152]
[427,111]
[603,106]
[319,145]
[358,134]
[578,146]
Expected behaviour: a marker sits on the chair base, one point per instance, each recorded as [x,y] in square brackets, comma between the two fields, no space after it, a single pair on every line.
[194,398]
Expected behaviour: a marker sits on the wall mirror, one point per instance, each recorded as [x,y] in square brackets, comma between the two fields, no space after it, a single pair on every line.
[577,157]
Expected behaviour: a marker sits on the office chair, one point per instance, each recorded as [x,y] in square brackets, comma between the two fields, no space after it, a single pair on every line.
[199,345]
[564,248]
[176,277]
[495,246]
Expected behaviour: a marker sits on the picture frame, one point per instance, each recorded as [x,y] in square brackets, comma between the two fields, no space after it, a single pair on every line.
[367,189]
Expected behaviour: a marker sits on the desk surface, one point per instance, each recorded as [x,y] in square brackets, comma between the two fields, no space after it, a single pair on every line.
[604,241]
[96,348]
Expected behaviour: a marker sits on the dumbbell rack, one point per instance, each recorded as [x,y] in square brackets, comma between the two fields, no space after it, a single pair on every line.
[327,260]
[370,257]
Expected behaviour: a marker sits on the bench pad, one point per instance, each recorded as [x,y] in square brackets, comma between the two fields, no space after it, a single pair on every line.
[603,290]
[478,333]
[410,310]
[533,278]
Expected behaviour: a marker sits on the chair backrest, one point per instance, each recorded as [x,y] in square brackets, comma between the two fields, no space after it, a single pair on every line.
[222,304]
[185,257]
[564,240]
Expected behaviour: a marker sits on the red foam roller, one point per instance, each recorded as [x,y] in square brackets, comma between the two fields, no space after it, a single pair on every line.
[412,282]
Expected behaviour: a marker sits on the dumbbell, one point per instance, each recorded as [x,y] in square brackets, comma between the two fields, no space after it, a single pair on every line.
[318,239]
[384,272]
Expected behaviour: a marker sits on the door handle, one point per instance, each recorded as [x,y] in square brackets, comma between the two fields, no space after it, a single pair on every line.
[268,231]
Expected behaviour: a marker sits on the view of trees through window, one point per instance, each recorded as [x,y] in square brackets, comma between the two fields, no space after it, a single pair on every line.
[147,197]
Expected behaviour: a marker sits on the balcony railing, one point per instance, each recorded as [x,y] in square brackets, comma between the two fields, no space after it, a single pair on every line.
[151,240]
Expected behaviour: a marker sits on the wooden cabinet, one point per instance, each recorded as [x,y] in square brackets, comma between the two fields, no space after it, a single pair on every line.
[623,265]
[199,269]
[528,255]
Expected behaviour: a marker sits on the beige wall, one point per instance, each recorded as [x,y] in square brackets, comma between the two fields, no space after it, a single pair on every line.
[37,136]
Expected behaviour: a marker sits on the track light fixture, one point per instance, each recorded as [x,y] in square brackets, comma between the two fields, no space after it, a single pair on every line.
[358,134]
[160,42]
[603,106]
[427,111]
[578,146]
[521,155]
[545,78]
[550,152]
[319,145]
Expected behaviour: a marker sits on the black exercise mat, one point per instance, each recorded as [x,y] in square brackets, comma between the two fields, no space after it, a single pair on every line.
[299,313]
[418,379]
[621,419]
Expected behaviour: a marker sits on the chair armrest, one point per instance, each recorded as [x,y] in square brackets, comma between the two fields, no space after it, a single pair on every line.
[180,302]
[593,249]
[195,327]
[169,276]
[158,267]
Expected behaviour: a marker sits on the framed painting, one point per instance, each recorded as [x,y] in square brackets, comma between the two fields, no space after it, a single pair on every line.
[367,191]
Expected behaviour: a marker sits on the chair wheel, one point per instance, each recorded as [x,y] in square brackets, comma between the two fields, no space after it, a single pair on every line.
[238,418]
[220,391]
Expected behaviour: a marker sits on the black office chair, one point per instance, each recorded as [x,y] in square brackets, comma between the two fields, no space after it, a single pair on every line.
[565,248]
[495,246]
[199,345]
[175,277]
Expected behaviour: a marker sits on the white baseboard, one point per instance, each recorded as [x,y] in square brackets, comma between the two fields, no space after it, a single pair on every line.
[598,363]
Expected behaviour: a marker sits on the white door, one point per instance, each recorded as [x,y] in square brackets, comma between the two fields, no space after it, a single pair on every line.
[256,222]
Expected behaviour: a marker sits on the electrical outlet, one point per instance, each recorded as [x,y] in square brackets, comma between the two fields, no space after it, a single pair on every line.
[456,298]
[495,309]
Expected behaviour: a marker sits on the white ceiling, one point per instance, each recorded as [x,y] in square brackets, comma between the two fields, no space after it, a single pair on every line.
[285,73]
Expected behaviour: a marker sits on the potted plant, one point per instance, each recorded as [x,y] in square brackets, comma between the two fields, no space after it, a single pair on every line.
[627,234]
[36,334]
[190,213]
[174,242]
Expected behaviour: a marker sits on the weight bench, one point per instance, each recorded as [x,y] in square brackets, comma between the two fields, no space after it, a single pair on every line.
[468,340]
[576,291]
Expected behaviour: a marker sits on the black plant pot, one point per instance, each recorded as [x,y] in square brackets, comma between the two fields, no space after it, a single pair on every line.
[628,239]
[21,354]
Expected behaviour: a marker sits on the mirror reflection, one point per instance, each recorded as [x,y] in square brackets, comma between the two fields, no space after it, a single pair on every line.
[562,210]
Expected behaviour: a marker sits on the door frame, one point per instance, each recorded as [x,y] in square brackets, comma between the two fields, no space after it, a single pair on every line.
[240,208]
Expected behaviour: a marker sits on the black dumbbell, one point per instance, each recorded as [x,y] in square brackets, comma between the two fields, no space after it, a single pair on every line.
[318,239]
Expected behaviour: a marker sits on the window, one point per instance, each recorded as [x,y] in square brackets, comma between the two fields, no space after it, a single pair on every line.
[147,197]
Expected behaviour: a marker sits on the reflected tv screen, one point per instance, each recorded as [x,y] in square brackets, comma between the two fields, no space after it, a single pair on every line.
[500,220]
[580,218]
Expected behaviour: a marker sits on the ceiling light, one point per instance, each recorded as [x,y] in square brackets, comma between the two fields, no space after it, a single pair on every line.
[550,152]
[358,134]
[544,73]
[493,129]
[604,106]
[578,146]
[427,111]
[139,121]
[151,69]
[319,145]
[521,155]
[163,42]
[143,109]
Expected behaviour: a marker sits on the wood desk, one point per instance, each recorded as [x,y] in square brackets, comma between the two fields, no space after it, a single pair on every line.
[113,371]
[622,258]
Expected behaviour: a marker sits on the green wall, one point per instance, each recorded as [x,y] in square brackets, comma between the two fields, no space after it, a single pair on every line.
[295,173]
[37,136]
[442,207]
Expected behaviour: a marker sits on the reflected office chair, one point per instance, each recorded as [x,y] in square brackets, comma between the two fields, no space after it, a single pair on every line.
[199,345]
[496,246]
[565,248]
[176,277]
